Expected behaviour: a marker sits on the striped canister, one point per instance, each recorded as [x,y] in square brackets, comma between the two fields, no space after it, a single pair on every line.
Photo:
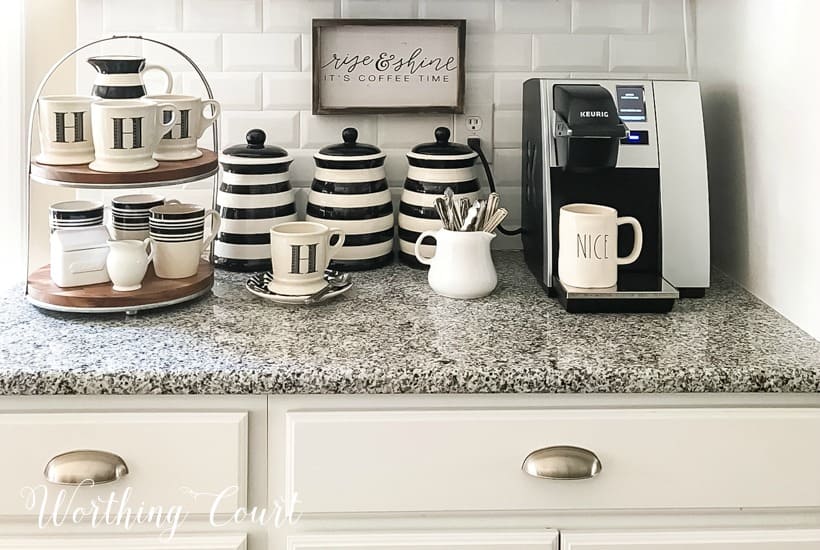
[349,192]
[255,194]
[433,168]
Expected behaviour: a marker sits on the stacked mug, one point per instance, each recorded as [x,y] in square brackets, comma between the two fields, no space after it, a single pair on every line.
[434,167]
[130,213]
[349,192]
[255,194]
[75,215]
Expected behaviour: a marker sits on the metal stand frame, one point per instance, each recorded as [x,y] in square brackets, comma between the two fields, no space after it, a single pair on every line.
[34,112]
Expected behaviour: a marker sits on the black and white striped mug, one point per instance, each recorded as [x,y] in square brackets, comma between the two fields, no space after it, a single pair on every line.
[177,234]
[75,214]
[130,213]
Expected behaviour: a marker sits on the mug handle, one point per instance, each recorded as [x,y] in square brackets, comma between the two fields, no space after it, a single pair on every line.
[172,201]
[169,79]
[208,119]
[146,243]
[165,126]
[333,249]
[214,228]
[636,248]
[419,257]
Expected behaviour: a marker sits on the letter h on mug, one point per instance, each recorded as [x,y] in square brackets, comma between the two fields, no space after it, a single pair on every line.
[587,234]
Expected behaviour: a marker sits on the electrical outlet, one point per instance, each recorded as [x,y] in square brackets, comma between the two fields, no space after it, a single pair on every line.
[477,121]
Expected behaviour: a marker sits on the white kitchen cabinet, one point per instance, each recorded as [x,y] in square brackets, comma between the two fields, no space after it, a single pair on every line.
[544,539]
[126,542]
[752,539]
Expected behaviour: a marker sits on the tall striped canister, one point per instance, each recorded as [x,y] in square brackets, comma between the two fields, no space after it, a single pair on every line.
[349,192]
[255,194]
[433,168]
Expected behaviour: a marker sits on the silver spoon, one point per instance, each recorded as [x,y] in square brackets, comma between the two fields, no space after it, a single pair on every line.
[335,281]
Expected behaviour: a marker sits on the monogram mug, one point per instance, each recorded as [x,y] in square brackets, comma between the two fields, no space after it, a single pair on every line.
[126,133]
[65,129]
[300,253]
[588,245]
[195,116]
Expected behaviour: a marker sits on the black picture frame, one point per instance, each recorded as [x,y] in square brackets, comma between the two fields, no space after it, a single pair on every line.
[319,25]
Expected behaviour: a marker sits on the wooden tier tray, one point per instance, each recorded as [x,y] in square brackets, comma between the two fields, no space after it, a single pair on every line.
[102,298]
[167,173]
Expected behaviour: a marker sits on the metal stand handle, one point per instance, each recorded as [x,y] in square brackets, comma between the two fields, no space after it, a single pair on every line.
[562,462]
[76,467]
[33,112]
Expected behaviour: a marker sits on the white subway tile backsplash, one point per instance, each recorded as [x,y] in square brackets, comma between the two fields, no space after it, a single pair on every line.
[622,16]
[650,53]
[261,52]
[222,15]
[288,91]
[532,15]
[480,14]
[571,52]
[508,87]
[665,15]
[507,170]
[281,127]
[499,52]
[296,15]
[318,131]
[257,56]
[376,9]
[234,91]
[406,131]
[478,88]
[204,48]
[153,15]
[507,129]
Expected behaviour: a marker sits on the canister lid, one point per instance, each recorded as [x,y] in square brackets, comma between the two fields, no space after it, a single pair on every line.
[349,148]
[254,151]
[443,146]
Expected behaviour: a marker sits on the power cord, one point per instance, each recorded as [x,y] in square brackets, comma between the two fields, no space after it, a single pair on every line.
[475,144]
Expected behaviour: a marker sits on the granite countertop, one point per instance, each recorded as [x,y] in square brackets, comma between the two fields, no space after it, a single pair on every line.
[391,334]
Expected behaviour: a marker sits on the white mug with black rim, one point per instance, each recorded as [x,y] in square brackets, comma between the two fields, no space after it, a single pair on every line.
[588,245]
[75,214]
[130,213]
[178,238]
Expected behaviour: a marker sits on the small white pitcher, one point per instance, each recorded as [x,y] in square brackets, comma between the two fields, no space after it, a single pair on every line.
[127,263]
[462,266]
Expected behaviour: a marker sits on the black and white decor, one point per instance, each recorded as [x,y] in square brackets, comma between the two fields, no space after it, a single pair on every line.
[349,192]
[434,167]
[75,214]
[255,194]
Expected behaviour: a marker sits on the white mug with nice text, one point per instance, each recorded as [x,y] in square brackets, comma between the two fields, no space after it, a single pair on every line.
[588,245]
[195,116]
[300,253]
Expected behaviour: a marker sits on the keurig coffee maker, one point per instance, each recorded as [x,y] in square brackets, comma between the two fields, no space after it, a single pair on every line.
[638,147]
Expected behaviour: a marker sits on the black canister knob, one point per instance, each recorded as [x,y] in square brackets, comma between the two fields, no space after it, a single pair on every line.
[442,134]
[350,135]
[256,138]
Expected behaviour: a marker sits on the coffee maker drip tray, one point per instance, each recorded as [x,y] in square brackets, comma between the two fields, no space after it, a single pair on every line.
[634,293]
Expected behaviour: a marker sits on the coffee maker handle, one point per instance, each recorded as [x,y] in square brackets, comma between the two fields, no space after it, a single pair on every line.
[169,78]
[636,248]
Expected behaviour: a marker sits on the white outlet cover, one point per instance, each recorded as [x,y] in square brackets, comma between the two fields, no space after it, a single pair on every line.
[484,111]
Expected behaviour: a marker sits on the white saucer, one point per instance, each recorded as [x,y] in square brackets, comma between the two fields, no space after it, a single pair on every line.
[258,286]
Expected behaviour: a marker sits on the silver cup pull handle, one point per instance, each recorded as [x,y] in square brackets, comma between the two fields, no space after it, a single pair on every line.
[562,462]
[76,467]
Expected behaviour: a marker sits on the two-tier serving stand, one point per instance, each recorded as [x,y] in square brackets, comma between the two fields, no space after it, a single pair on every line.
[101,298]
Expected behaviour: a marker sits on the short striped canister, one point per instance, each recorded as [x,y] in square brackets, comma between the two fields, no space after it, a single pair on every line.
[349,192]
[255,194]
[433,168]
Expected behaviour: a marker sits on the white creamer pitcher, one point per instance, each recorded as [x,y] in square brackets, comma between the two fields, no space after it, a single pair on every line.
[127,263]
[462,266]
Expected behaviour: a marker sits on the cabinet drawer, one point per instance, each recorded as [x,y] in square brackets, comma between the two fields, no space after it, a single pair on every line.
[166,453]
[470,460]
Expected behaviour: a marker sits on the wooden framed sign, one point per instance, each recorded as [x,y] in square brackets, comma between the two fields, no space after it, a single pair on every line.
[388,65]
